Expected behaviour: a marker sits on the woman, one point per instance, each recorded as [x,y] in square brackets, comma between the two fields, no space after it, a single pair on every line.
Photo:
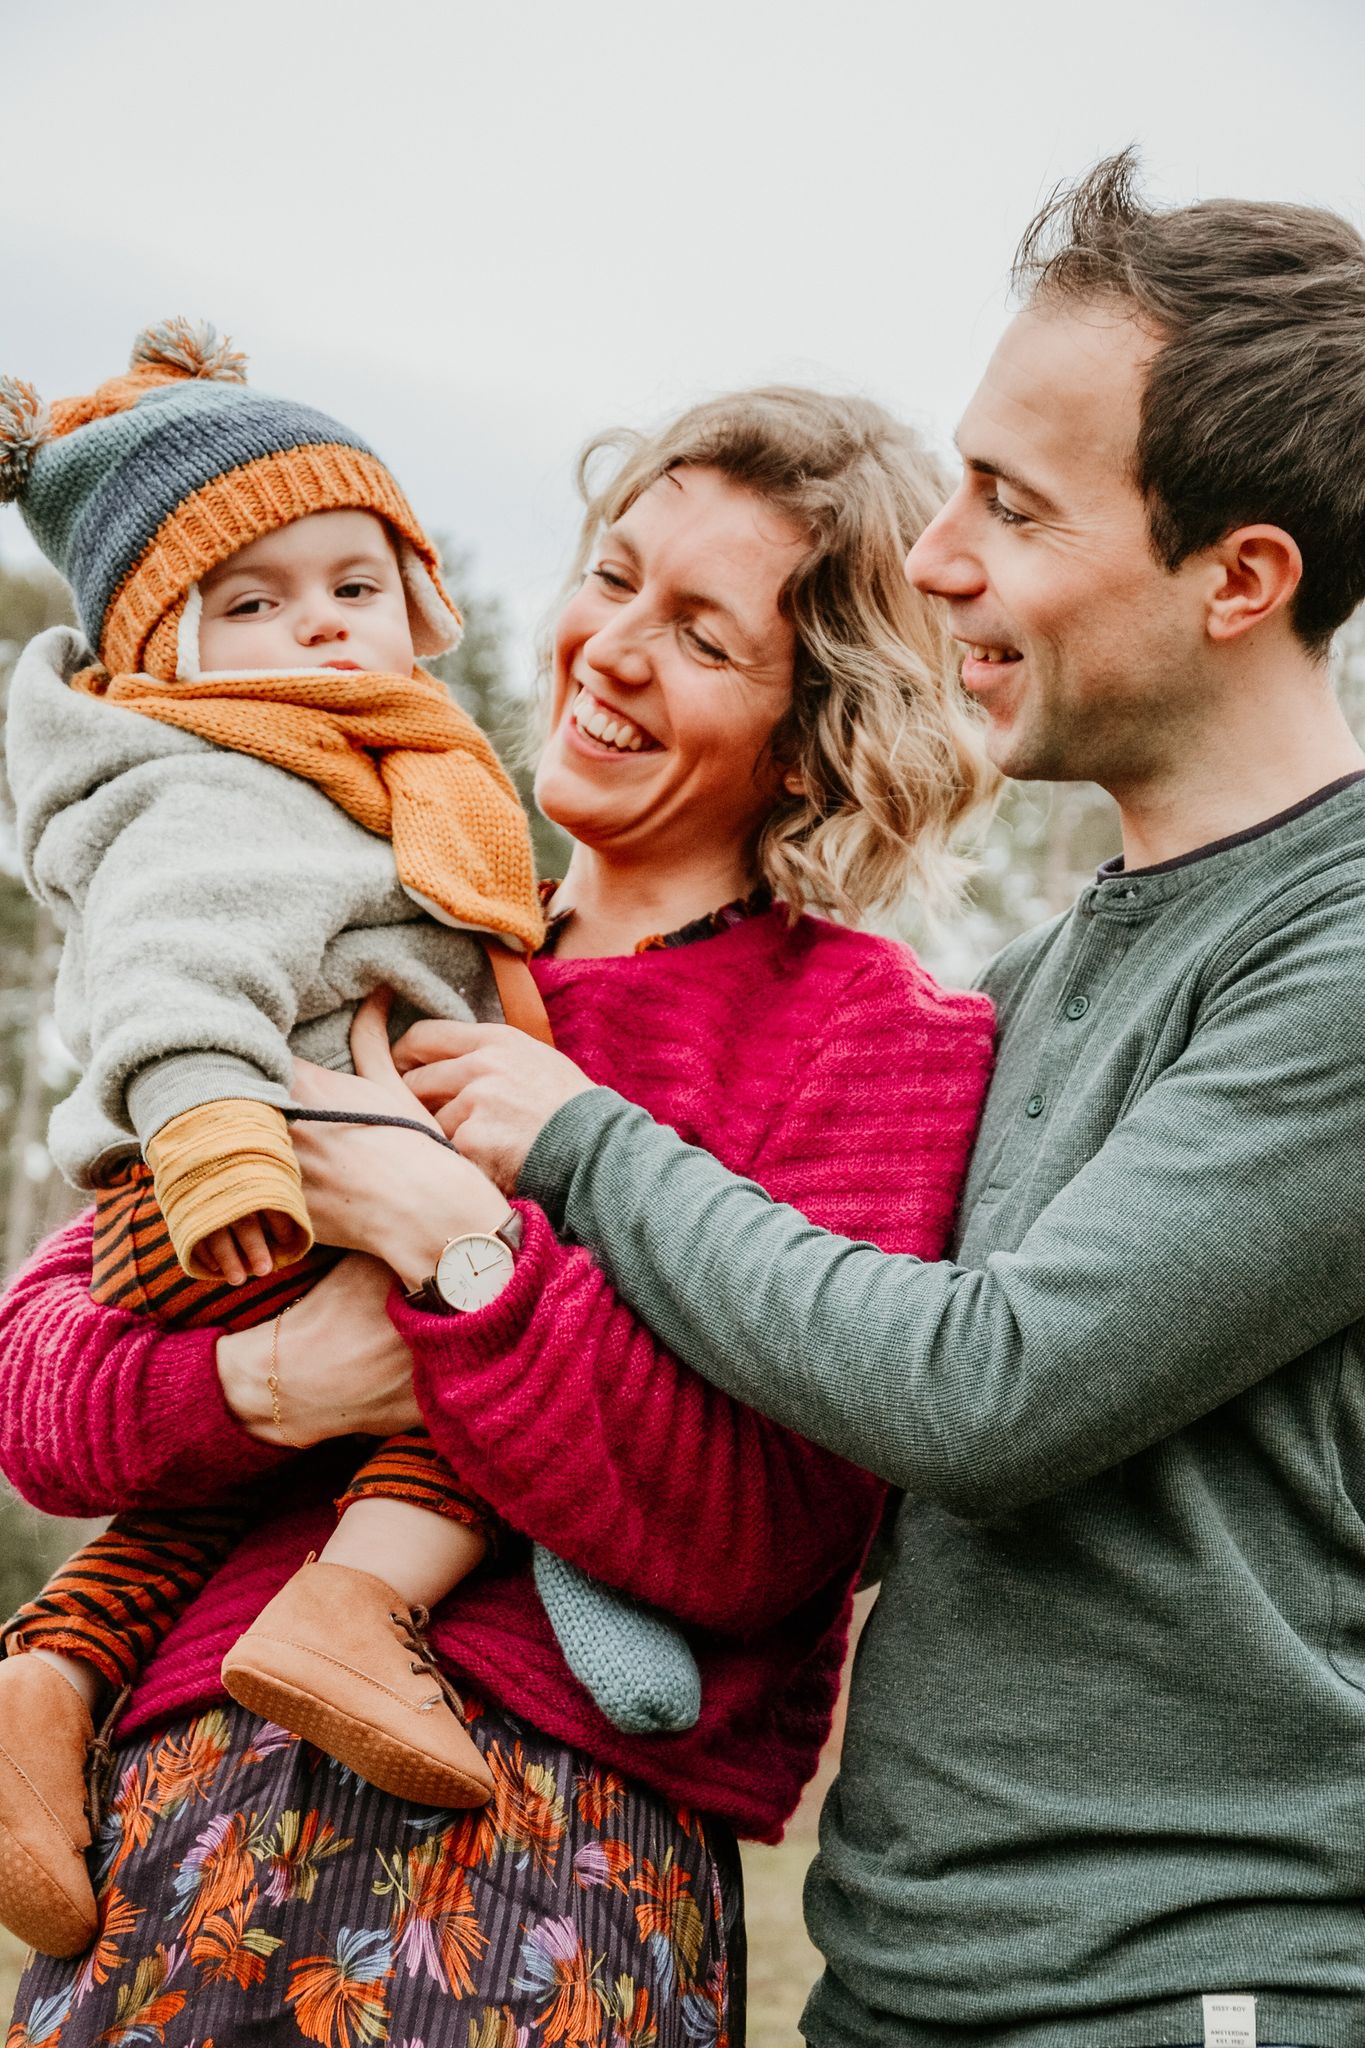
[751,713]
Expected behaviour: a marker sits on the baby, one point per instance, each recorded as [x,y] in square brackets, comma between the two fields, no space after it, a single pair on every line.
[250,813]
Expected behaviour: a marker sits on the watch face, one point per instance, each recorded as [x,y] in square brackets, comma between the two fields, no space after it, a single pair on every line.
[472,1271]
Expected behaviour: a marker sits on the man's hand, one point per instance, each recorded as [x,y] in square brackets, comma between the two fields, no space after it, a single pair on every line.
[492,1089]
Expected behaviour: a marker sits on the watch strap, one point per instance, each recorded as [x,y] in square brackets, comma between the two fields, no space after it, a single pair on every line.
[428,1297]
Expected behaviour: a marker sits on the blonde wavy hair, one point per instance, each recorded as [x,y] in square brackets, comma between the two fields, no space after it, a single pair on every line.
[887,751]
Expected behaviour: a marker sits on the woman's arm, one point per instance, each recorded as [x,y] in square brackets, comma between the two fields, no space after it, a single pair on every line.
[586,1433]
[102,1411]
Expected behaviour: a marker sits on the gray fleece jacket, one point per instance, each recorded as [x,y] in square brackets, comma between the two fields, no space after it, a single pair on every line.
[220,915]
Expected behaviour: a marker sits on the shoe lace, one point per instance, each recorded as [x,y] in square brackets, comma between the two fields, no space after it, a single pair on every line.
[411,1624]
[99,1764]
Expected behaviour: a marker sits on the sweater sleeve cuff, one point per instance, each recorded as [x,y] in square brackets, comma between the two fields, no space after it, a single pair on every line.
[575,1132]
[485,1332]
[192,1445]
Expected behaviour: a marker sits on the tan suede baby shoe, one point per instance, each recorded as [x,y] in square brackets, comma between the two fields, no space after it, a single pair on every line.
[339,1659]
[45,1736]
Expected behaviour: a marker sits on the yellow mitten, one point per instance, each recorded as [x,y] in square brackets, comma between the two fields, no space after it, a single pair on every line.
[215,1165]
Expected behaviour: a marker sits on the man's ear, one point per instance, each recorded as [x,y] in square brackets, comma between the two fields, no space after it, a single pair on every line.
[1257,570]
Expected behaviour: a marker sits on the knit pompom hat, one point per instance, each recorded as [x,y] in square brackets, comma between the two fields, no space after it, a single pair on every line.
[139,490]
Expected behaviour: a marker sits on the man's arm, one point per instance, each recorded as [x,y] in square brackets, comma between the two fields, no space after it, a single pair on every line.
[1215,1236]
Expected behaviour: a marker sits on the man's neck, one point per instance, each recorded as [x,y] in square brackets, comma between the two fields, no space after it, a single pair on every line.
[1268,752]
[617,903]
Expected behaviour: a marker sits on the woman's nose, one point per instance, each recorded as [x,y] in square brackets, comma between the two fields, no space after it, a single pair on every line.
[618,649]
[941,564]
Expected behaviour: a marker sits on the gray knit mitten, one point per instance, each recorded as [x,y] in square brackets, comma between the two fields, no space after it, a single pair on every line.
[635,1664]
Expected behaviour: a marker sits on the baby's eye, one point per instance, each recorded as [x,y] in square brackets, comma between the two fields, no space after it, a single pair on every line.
[248,608]
[356,586]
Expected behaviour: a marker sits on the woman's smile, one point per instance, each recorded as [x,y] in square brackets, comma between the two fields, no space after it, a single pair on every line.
[603,730]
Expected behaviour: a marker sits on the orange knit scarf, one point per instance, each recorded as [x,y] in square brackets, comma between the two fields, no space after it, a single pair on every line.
[395,753]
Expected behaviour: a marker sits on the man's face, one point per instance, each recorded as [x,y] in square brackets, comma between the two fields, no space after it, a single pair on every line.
[1083,651]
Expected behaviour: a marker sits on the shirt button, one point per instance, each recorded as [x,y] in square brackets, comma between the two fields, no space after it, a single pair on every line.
[1077,1007]
[1034,1106]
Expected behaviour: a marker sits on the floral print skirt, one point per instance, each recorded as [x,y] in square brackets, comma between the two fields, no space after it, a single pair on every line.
[253,1891]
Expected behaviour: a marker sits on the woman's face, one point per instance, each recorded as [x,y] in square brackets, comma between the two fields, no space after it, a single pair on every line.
[672,670]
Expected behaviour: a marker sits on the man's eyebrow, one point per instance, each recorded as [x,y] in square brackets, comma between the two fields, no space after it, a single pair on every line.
[981,465]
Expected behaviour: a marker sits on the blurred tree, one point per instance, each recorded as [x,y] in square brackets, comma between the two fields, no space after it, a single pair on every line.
[1348,660]
[1043,845]
[33,1071]
[476,675]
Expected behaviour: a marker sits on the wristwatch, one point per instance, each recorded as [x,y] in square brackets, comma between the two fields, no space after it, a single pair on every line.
[471,1271]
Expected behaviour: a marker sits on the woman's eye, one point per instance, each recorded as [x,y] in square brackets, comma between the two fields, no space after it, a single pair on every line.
[609,579]
[707,649]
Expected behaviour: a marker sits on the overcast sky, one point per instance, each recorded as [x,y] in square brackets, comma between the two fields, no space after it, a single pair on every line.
[480,234]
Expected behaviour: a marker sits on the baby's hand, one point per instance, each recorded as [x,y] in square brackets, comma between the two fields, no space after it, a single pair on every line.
[236,1254]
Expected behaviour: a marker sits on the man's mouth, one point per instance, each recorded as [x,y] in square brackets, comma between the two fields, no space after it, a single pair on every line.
[984,665]
[609,728]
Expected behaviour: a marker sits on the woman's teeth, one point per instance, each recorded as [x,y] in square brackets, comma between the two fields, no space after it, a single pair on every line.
[607,726]
[993,653]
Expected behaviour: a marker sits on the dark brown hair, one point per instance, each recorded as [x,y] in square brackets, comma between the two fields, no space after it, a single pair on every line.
[1254,410]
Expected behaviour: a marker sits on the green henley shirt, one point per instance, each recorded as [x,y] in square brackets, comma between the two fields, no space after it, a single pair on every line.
[1106,1742]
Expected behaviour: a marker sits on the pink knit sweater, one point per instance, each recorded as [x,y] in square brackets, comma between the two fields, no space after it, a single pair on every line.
[824,1064]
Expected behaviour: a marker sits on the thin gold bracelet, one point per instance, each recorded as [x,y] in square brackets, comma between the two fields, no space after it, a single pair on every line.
[272,1379]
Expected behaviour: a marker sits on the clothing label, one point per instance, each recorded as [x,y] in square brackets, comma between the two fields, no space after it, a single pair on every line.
[1229,2021]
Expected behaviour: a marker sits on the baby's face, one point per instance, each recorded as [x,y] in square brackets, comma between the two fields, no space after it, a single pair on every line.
[322,593]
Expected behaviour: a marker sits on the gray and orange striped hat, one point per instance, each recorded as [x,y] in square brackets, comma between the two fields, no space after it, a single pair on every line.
[135,492]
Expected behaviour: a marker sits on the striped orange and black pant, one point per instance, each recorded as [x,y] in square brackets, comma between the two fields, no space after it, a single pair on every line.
[115,1600]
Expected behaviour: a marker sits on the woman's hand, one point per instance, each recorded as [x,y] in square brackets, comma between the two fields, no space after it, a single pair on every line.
[343,1370]
[396,1194]
[493,1089]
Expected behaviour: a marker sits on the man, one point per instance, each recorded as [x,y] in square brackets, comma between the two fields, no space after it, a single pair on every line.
[1104,1776]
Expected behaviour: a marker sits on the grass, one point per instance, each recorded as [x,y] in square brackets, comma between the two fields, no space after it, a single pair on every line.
[11,1963]
[782,1963]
